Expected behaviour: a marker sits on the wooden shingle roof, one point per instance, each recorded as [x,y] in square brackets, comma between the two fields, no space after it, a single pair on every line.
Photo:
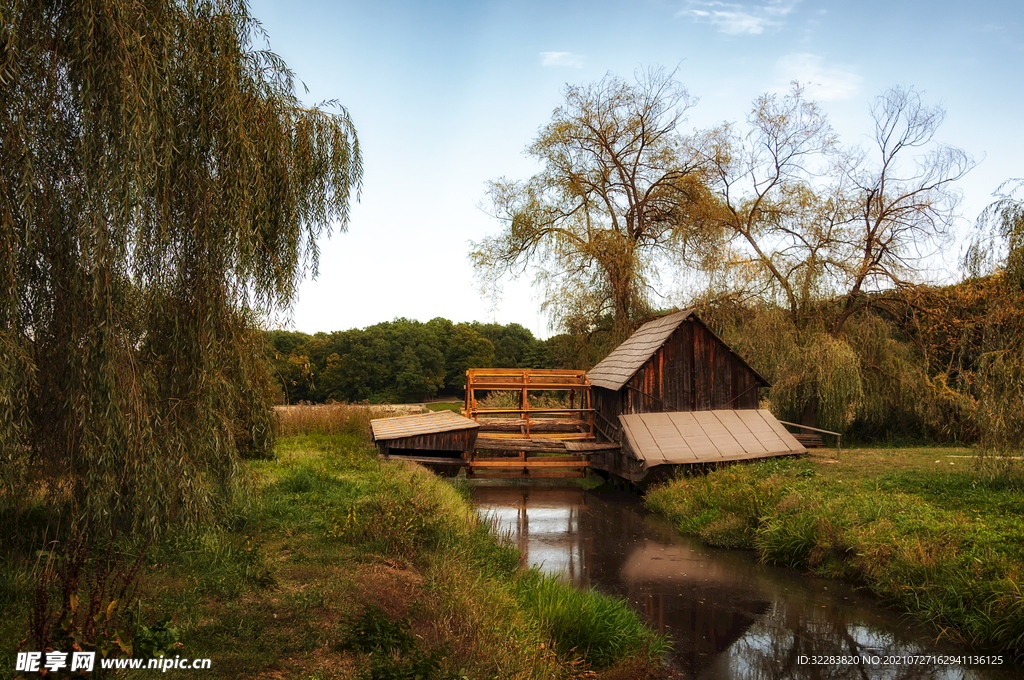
[616,369]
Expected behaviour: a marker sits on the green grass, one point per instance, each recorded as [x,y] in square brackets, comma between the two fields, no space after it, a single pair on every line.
[919,527]
[455,406]
[330,533]
[598,627]
[334,545]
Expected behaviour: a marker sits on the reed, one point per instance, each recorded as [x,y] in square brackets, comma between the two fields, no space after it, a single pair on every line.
[334,419]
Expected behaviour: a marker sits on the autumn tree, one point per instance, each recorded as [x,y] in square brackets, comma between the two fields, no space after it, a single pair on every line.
[809,221]
[160,184]
[779,228]
[821,232]
[901,200]
[611,203]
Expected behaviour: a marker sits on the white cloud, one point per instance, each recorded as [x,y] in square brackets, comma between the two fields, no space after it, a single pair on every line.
[561,59]
[739,19]
[821,82]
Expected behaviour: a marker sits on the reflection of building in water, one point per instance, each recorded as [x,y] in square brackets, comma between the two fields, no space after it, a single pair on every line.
[699,602]
[594,541]
[543,522]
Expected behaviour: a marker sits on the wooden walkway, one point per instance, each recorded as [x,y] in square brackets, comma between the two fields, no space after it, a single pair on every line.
[531,440]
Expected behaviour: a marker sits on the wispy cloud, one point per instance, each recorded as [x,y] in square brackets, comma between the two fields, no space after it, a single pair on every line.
[822,82]
[561,59]
[737,18]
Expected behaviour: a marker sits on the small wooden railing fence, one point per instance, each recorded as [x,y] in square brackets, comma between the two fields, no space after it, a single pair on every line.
[519,440]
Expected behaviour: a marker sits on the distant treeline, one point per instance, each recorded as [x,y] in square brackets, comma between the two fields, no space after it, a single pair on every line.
[924,365]
[404,360]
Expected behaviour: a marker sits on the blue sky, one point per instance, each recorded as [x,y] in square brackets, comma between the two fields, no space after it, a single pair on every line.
[445,96]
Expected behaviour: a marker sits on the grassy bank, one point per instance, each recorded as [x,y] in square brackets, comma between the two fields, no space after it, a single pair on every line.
[339,566]
[921,528]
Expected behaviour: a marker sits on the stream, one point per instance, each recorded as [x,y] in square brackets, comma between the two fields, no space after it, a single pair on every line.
[727,615]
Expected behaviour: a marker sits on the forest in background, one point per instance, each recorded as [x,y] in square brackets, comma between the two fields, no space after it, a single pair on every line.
[932,364]
[398,361]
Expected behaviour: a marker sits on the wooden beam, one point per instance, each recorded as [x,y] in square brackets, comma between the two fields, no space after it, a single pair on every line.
[520,445]
[582,457]
[513,463]
[539,474]
[436,460]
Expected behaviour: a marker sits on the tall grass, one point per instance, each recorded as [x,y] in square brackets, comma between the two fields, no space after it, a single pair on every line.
[332,419]
[597,627]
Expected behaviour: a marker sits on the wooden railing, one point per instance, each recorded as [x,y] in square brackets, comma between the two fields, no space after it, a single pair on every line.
[575,421]
[839,448]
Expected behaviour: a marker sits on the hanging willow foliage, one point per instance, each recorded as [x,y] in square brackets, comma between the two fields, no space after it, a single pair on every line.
[804,366]
[160,184]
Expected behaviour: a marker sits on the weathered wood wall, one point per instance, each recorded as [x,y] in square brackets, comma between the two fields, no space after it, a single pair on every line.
[456,440]
[693,371]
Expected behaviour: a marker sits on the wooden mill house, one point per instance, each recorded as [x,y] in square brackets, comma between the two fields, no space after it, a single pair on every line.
[673,394]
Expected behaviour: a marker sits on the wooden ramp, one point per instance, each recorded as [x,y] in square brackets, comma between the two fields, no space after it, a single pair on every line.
[701,437]
[417,428]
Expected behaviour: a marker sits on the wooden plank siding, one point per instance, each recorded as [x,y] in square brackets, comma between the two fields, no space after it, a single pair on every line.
[460,440]
[692,371]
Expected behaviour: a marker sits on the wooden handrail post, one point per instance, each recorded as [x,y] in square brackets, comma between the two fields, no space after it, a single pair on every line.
[815,429]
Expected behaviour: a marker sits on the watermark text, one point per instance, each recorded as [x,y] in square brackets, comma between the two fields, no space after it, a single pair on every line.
[85,662]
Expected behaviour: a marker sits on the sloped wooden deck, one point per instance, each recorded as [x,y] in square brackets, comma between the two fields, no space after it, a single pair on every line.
[700,437]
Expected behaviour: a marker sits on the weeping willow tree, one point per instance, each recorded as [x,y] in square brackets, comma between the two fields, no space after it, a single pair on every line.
[999,383]
[998,245]
[813,375]
[160,185]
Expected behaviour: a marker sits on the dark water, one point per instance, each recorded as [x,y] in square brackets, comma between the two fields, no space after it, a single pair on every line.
[728,616]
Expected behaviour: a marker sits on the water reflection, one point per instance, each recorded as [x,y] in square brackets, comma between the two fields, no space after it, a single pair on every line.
[728,616]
